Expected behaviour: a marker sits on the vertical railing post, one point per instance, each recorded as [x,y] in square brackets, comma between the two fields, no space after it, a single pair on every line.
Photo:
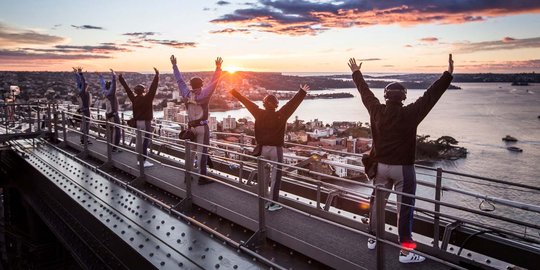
[38,117]
[262,188]
[436,219]
[64,127]
[379,230]
[139,147]
[30,120]
[189,168]
[55,117]
[98,118]
[84,133]
[108,139]
[123,131]
[318,194]
[49,118]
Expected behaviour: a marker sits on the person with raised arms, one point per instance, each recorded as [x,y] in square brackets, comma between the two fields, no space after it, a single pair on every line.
[83,96]
[143,112]
[108,91]
[393,127]
[270,124]
[197,100]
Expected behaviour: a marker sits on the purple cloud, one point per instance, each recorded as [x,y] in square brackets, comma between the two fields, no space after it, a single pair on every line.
[87,27]
[302,17]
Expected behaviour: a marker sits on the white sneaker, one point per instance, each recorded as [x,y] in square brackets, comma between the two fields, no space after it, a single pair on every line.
[274,207]
[371,243]
[146,164]
[410,258]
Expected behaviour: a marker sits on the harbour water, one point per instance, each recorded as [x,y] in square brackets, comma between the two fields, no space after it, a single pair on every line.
[478,116]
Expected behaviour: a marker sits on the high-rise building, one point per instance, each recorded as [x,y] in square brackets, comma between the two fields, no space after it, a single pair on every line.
[229,123]
[212,123]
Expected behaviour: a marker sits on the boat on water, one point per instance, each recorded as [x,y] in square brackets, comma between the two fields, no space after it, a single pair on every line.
[509,138]
[514,149]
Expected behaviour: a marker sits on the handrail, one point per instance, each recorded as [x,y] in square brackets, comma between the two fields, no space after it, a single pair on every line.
[226,147]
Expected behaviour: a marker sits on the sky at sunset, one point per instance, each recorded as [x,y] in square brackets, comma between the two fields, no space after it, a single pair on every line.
[263,35]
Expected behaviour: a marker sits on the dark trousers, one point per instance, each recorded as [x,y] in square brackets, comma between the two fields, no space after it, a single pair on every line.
[85,124]
[115,129]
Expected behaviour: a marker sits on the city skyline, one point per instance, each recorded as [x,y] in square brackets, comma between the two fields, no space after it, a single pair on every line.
[277,36]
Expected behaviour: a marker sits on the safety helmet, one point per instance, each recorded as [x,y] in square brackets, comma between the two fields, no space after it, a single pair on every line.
[395,91]
[196,83]
[270,102]
[139,89]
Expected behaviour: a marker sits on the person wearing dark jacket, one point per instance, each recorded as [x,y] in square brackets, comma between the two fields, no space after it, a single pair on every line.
[84,102]
[197,100]
[393,128]
[143,112]
[270,127]
[108,90]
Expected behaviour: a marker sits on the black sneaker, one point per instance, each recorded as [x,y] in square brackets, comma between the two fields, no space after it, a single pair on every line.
[204,181]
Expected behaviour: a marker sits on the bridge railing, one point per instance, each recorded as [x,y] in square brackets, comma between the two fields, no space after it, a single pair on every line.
[445,210]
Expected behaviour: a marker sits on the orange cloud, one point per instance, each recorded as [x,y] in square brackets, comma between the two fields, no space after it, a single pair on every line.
[506,43]
[303,17]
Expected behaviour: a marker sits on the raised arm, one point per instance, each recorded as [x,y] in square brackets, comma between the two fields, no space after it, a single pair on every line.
[130,94]
[79,77]
[208,90]
[423,105]
[289,108]
[182,86]
[252,107]
[154,85]
[112,87]
[368,98]
[102,84]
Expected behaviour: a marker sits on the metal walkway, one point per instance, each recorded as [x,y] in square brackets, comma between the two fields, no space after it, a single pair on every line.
[319,224]
[161,238]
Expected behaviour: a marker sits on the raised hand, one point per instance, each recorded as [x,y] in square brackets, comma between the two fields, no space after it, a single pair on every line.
[155,70]
[304,87]
[450,64]
[353,66]
[74,69]
[231,91]
[219,61]
[112,71]
[173,60]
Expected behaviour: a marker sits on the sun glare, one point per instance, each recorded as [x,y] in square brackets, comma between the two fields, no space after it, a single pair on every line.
[231,69]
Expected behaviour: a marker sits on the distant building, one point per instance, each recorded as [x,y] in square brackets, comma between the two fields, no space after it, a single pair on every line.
[182,118]
[229,123]
[170,112]
[340,171]
[300,136]
[176,95]
[321,132]
[212,123]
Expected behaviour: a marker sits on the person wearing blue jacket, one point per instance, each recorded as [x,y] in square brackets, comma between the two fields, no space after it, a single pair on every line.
[84,102]
[196,101]
[108,90]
